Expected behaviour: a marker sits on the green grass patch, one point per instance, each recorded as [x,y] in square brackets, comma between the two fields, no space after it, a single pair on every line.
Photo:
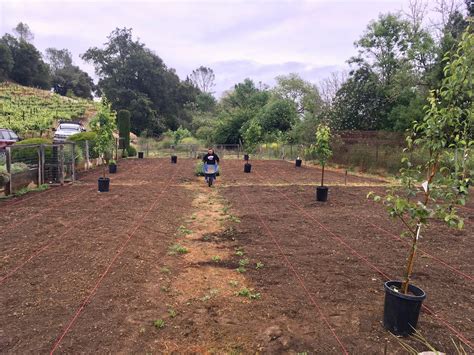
[177,249]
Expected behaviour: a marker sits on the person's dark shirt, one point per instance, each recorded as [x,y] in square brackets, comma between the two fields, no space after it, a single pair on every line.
[211,159]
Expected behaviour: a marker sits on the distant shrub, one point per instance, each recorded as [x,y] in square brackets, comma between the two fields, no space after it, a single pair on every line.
[34,141]
[82,137]
[131,151]
[190,140]
[123,125]
[30,154]
[165,143]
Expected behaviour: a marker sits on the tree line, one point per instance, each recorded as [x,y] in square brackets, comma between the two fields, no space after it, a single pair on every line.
[400,59]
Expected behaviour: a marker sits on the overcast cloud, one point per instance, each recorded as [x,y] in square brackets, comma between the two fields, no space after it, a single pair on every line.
[237,39]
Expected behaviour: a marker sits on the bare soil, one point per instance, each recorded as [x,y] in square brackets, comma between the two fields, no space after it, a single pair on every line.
[162,263]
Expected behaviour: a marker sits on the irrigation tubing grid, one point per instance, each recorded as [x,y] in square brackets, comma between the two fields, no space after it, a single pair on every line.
[293,270]
[39,195]
[33,195]
[130,233]
[361,257]
[43,248]
[461,336]
[398,238]
[106,271]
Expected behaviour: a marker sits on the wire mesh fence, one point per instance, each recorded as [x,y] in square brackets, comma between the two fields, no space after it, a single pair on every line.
[26,166]
[362,151]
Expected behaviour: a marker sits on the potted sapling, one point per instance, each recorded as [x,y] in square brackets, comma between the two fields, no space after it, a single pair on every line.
[252,136]
[112,166]
[103,124]
[322,150]
[298,162]
[432,189]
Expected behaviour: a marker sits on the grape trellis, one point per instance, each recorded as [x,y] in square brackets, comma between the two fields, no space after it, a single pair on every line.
[28,110]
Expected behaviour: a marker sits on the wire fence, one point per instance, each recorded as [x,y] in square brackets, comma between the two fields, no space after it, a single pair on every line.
[26,166]
[378,152]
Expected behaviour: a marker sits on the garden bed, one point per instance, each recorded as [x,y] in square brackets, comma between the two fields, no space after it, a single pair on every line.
[89,272]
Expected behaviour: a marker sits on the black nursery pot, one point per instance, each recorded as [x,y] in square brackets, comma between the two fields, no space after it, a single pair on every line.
[140,155]
[247,167]
[174,159]
[113,168]
[104,184]
[298,162]
[246,157]
[400,313]
[322,193]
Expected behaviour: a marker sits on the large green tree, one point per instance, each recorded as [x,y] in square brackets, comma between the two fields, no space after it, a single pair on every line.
[361,103]
[68,79]
[303,94]
[132,77]
[28,68]
[6,61]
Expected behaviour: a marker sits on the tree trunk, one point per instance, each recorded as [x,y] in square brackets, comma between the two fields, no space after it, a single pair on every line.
[322,176]
[411,259]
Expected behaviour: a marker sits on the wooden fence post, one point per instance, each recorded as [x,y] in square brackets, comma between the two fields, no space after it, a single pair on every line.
[8,187]
[87,155]
[73,165]
[61,164]
[40,165]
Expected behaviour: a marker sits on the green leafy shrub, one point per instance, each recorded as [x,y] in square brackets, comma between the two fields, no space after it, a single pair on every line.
[30,154]
[83,136]
[131,151]
[123,125]
[79,138]
[178,135]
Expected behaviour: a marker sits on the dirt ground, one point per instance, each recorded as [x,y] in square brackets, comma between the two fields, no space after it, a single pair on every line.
[162,263]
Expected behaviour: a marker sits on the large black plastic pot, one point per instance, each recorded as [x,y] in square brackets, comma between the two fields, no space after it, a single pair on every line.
[113,168]
[174,159]
[246,157]
[247,167]
[104,184]
[400,313]
[140,155]
[298,162]
[322,193]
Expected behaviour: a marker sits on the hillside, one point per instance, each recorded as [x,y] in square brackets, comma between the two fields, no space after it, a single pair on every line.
[33,112]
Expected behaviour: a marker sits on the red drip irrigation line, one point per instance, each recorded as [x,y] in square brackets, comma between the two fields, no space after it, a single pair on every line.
[429,311]
[104,274]
[15,224]
[42,249]
[456,332]
[300,279]
[396,237]
[45,247]
[72,199]
[12,203]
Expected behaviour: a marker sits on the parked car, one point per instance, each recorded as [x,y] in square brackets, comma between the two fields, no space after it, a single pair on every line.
[7,137]
[65,130]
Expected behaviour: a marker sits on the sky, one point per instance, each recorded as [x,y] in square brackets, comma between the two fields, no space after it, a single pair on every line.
[238,39]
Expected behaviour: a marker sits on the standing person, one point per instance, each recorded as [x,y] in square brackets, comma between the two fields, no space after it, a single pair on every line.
[211,157]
